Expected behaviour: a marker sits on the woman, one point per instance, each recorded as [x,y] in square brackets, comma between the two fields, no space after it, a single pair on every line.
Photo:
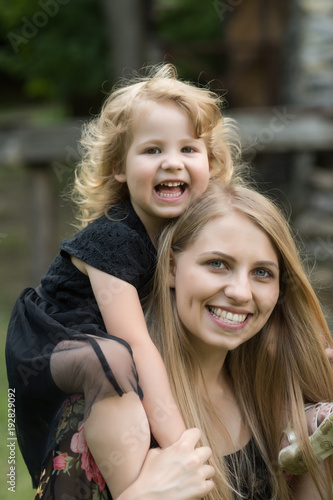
[241,333]
[242,336]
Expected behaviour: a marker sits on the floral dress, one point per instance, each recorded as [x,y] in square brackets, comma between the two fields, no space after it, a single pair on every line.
[69,471]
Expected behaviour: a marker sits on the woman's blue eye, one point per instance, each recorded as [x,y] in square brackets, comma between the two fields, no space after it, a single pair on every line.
[217,264]
[262,273]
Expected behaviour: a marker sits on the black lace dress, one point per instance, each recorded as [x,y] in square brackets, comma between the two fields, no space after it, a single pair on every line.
[63,308]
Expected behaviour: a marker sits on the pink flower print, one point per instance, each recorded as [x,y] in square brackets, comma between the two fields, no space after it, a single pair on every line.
[75,397]
[78,442]
[88,464]
[62,462]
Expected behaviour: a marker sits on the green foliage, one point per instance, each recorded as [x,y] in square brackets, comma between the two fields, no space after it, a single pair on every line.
[191,31]
[188,21]
[57,50]
[57,47]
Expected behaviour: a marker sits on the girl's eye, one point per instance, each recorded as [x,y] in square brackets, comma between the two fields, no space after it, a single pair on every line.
[263,273]
[217,264]
[187,149]
[153,151]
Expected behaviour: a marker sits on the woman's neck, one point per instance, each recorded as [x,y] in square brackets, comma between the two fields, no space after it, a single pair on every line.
[211,361]
[219,387]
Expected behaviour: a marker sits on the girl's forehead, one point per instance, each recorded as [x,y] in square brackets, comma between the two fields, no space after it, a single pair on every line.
[154,116]
[142,108]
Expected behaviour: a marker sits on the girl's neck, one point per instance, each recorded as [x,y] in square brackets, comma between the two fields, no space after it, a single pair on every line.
[153,233]
[152,229]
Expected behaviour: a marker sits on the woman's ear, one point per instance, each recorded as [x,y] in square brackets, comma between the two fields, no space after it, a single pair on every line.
[120,178]
[172,273]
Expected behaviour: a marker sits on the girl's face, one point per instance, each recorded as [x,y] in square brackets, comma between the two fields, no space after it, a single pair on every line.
[226,283]
[166,165]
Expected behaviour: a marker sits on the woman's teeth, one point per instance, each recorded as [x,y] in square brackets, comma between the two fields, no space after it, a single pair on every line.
[227,316]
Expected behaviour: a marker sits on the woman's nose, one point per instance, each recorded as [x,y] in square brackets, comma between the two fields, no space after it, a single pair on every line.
[238,289]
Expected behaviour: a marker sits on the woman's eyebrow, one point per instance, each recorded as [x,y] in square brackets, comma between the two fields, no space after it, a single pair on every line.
[269,263]
[219,254]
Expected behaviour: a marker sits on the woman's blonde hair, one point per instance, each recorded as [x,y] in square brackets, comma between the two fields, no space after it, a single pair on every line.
[280,369]
[106,139]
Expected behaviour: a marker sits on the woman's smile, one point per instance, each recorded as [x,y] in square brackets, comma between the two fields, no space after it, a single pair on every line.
[227,317]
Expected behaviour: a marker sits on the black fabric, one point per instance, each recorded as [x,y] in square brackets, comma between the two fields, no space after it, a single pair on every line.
[63,311]
[252,483]
[117,244]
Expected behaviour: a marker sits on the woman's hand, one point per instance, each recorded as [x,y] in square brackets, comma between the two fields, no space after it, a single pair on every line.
[178,472]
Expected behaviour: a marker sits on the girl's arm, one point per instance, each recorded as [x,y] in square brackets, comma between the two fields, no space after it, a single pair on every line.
[122,313]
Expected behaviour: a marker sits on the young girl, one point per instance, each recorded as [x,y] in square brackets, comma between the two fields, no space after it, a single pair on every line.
[241,334]
[149,154]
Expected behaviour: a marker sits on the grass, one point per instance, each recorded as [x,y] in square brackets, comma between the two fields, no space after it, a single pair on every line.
[14,273]
[16,223]
[23,487]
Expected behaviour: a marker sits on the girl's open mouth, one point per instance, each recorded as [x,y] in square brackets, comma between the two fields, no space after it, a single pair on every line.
[170,189]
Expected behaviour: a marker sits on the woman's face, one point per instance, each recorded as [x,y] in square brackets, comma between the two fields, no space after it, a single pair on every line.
[226,282]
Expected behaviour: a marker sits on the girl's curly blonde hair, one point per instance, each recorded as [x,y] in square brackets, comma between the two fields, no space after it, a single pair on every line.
[106,139]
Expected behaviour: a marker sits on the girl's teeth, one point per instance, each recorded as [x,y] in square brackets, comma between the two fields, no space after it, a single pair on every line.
[170,195]
[168,189]
[172,184]
[227,317]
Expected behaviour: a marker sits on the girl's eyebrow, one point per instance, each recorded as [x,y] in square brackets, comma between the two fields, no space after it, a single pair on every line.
[159,140]
[263,263]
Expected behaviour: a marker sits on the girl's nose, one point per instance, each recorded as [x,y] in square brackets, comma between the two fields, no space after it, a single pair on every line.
[172,161]
[238,289]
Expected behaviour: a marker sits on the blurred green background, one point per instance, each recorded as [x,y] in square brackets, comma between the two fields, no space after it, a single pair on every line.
[272,59]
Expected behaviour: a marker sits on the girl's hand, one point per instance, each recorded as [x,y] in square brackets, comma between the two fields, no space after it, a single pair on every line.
[178,472]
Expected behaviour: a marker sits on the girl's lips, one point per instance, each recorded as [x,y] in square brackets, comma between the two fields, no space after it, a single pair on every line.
[169,190]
